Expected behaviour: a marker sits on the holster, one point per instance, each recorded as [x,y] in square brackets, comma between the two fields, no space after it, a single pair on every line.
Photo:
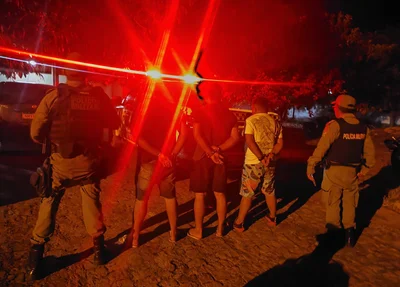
[326,164]
[41,179]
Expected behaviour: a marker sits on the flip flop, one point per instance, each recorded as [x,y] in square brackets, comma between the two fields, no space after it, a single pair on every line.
[224,230]
[192,236]
[271,222]
[170,239]
[238,227]
[135,244]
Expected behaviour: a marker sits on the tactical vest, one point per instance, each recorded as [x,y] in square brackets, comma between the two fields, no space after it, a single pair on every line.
[76,125]
[349,147]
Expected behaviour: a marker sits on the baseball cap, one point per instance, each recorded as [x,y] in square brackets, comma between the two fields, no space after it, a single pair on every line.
[345,101]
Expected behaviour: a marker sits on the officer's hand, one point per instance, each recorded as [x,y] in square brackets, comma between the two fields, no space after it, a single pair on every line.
[312,179]
[164,160]
[217,158]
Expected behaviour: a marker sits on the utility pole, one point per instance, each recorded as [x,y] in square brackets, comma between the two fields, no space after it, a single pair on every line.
[55,73]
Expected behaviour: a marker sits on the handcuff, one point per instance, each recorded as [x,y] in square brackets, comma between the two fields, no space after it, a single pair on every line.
[264,156]
[213,152]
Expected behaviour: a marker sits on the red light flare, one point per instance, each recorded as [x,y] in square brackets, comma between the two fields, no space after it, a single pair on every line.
[170,20]
[127,27]
[188,78]
[66,61]
[205,31]
[249,82]
[184,97]
[155,73]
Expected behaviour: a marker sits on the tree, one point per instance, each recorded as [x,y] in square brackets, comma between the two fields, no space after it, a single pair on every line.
[369,61]
[277,40]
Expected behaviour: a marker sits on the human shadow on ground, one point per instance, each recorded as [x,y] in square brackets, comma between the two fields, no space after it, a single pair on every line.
[53,264]
[15,187]
[372,194]
[15,171]
[185,216]
[291,185]
[314,269]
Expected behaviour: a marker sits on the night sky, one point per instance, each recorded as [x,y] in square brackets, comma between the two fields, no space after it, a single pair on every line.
[369,15]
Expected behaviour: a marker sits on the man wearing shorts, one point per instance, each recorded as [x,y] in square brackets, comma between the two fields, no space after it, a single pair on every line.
[158,151]
[215,130]
[263,135]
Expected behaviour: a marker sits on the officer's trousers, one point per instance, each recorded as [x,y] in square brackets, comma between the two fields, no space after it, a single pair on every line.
[340,195]
[72,169]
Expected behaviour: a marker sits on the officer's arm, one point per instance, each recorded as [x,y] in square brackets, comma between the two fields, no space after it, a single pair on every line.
[183,134]
[41,122]
[329,135]
[369,154]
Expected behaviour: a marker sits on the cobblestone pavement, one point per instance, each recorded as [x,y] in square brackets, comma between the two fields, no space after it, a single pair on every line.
[286,255]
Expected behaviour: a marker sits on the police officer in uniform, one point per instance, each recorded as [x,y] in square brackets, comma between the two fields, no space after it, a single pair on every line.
[348,153]
[72,118]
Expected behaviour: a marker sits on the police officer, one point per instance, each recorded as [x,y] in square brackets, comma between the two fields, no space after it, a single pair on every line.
[348,152]
[72,118]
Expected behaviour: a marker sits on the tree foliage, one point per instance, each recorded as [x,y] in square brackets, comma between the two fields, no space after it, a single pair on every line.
[276,40]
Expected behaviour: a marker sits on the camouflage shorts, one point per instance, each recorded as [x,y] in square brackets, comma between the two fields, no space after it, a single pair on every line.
[257,176]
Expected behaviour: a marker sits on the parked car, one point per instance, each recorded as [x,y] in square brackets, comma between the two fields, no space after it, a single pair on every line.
[18,103]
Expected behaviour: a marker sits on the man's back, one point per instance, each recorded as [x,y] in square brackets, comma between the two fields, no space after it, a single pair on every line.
[216,122]
[265,130]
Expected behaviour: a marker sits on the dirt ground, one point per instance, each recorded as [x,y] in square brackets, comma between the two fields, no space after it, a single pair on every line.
[287,255]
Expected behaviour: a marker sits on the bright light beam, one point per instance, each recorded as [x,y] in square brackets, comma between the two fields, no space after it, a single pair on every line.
[65,61]
[154,74]
[34,63]
[148,73]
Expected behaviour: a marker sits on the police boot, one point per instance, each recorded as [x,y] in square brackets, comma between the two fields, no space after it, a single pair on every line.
[350,237]
[35,256]
[99,251]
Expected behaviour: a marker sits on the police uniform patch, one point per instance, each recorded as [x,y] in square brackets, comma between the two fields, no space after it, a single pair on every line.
[84,103]
[325,131]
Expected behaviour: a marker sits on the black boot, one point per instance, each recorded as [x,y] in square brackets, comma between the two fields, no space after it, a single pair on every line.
[35,256]
[350,237]
[99,251]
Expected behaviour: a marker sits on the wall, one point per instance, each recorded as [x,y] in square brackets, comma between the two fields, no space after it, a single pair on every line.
[33,78]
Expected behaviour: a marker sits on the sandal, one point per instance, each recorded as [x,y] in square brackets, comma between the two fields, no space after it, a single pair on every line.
[224,229]
[238,226]
[170,238]
[271,222]
[135,242]
[192,236]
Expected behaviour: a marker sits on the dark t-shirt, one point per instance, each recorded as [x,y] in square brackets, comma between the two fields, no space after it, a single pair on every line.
[156,125]
[216,123]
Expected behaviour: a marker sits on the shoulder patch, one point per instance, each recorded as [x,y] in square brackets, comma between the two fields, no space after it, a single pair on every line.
[327,127]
